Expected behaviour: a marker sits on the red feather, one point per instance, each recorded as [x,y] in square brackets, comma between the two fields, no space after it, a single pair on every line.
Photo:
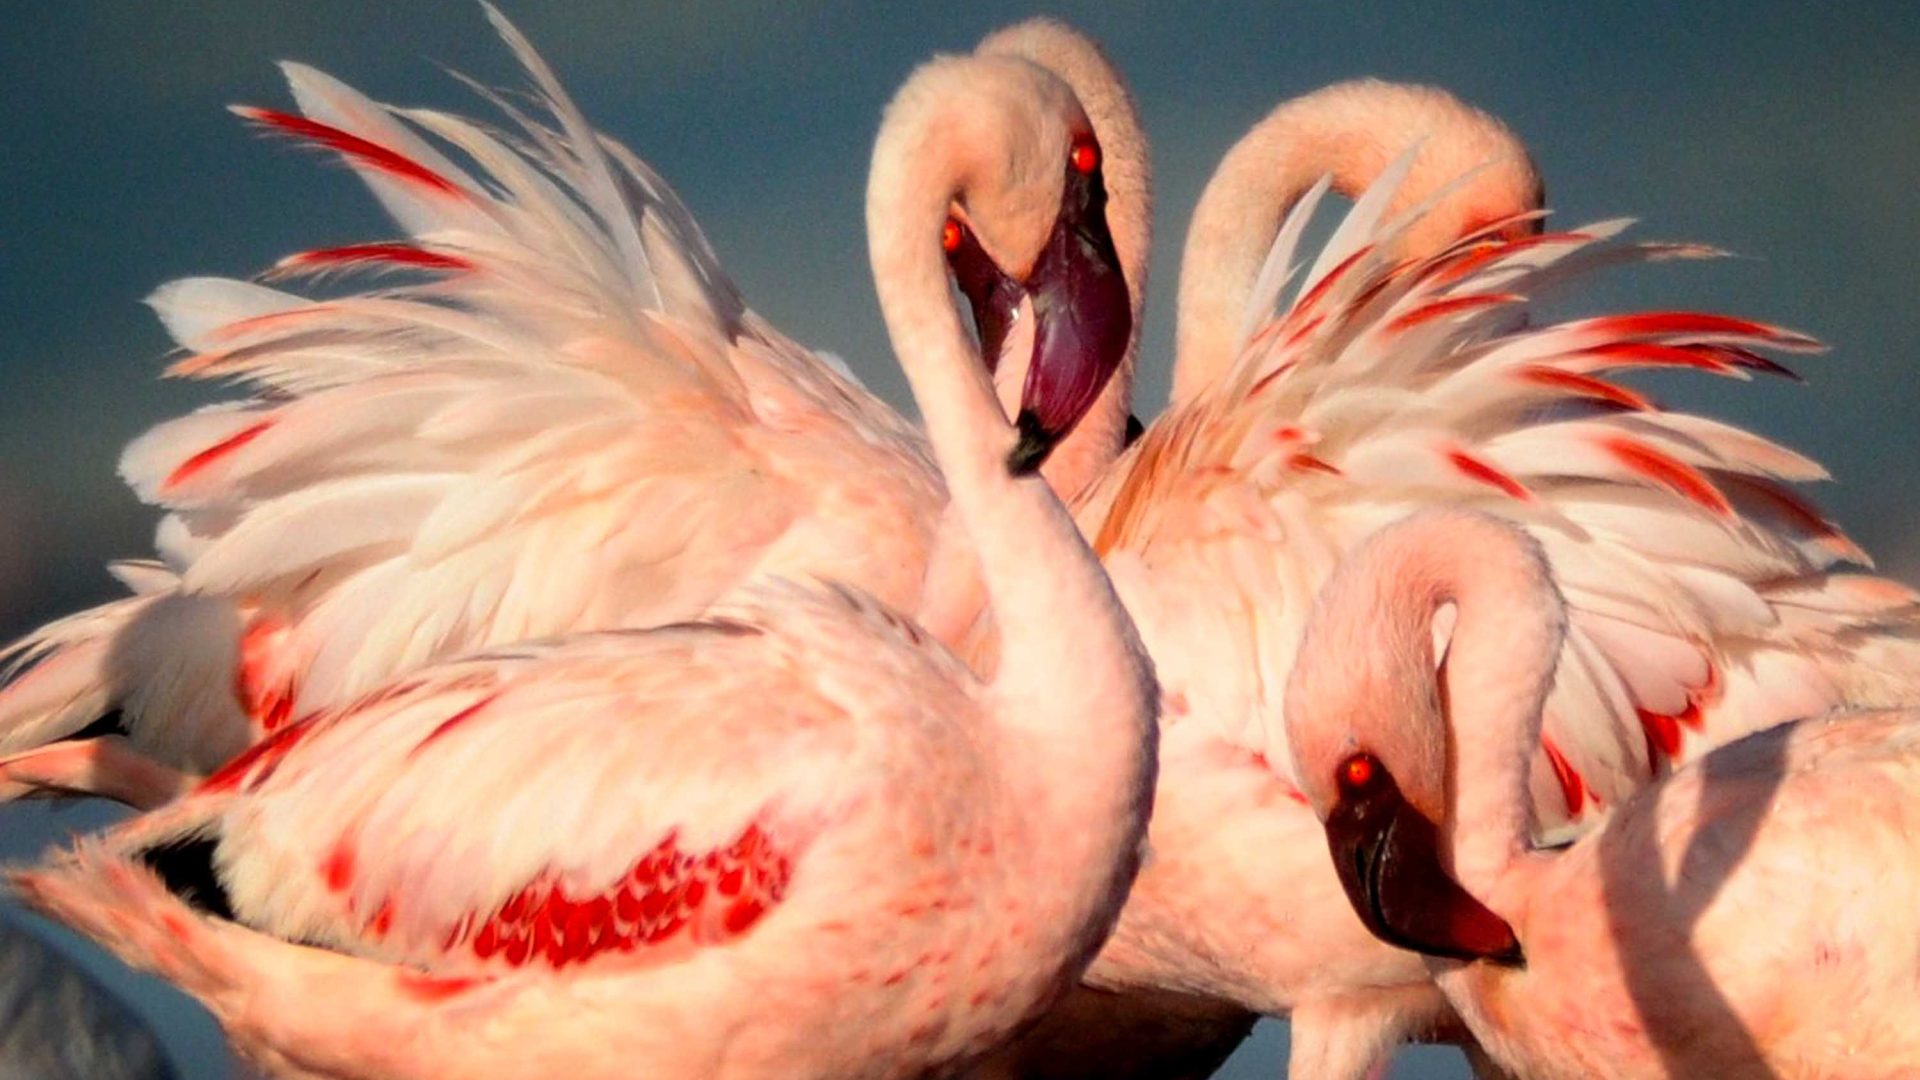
[1585,386]
[353,255]
[365,152]
[1668,472]
[197,463]
[1451,306]
[1699,324]
[1476,469]
[712,897]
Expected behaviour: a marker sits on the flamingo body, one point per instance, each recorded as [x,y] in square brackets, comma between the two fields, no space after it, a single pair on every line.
[576,424]
[1706,599]
[1765,945]
[1738,918]
[796,839]
[710,799]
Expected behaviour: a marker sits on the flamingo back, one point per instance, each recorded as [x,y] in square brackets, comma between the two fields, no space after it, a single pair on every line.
[1706,597]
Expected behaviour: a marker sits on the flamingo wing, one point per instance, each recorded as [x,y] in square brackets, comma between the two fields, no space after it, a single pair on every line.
[1705,595]
[571,423]
[627,793]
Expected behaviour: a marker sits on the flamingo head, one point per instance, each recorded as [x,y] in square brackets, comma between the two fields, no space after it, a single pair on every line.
[1072,290]
[1003,151]
[1365,718]
[1387,853]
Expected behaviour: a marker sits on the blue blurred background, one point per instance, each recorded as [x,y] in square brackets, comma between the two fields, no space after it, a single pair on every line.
[1787,133]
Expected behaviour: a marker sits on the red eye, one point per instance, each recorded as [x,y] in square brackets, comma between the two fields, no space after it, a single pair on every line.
[951,234]
[1085,157]
[1358,772]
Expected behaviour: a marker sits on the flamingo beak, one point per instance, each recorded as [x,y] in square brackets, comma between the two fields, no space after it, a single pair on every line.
[994,297]
[1083,320]
[1387,855]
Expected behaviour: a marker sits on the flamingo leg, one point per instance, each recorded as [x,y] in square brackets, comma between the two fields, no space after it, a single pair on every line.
[108,767]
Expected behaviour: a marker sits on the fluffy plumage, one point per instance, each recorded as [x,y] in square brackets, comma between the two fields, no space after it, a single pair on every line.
[606,854]
[1706,598]
[574,423]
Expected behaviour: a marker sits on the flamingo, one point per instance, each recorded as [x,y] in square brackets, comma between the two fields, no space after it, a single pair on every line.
[1161,1024]
[1349,132]
[576,425]
[802,800]
[1079,62]
[1747,915]
[1706,598]
[1229,921]
[56,1023]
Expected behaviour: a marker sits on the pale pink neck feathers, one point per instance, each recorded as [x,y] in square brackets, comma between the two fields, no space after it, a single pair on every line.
[1350,131]
[1451,708]
[995,134]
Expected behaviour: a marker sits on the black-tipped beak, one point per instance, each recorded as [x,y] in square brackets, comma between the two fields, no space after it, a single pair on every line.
[1083,319]
[1387,855]
[1034,444]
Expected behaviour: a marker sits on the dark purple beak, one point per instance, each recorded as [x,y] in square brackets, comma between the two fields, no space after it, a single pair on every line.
[1082,321]
[993,296]
[1387,855]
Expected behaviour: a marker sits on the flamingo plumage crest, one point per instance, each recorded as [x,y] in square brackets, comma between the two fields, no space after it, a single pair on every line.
[574,423]
[1706,597]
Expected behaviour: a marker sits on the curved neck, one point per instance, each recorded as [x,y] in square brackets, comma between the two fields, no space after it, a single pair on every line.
[1099,437]
[1075,689]
[1491,684]
[1351,132]
[1433,647]
[1235,223]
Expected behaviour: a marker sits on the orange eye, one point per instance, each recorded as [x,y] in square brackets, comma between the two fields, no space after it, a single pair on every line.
[951,235]
[1358,771]
[1085,156]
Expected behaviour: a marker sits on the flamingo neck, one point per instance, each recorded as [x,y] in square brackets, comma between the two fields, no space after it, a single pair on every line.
[1234,224]
[1492,688]
[1350,132]
[1074,699]
[1083,456]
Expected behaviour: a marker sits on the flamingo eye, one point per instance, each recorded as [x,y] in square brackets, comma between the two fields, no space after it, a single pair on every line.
[1358,772]
[951,234]
[1085,156]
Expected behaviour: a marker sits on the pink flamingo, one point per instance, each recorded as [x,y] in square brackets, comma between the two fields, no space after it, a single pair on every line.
[61,1024]
[1099,437]
[604,855]
[1153,1022]
[576,425]
[1705,597]
[1475,170]
[1238,914]
[1745,916]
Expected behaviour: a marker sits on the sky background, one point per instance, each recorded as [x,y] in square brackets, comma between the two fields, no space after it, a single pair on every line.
[1787,133]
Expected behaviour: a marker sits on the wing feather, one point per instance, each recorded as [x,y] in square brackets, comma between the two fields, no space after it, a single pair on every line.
[397,826]
[561,418]
[1703,593]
